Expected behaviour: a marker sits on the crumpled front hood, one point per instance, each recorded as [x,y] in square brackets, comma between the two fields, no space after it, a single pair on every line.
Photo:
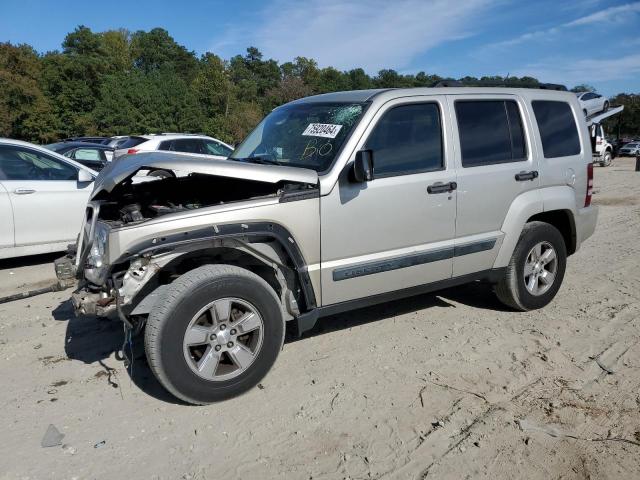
[124,167]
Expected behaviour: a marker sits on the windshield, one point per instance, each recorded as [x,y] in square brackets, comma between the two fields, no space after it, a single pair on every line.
[305,135]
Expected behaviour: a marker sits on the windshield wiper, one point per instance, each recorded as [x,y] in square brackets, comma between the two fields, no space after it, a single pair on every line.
[256,159]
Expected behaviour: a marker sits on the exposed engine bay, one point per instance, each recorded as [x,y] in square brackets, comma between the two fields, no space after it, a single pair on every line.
[130,203]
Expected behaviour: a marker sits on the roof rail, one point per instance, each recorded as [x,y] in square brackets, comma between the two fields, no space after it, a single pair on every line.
[541,86]
[179,133]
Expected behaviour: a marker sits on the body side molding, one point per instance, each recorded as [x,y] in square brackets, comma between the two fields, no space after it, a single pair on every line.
[379,266]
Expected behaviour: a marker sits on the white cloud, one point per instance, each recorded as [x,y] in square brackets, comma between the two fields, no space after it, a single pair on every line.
[371,34]
[573,72]
[610,14]
[620,13]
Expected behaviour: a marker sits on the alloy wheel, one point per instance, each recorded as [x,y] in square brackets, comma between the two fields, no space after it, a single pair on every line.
[540,268]
[223,339]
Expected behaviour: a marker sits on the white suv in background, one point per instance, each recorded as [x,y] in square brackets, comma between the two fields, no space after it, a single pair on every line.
[175,142]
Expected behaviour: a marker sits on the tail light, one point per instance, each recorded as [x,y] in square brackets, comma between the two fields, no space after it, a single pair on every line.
[132,151]
[587,198]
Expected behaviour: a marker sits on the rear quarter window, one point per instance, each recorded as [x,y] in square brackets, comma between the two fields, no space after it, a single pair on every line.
[558,129]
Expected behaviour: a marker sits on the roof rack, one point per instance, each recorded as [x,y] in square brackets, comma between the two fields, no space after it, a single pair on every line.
[541,86]
[178,133]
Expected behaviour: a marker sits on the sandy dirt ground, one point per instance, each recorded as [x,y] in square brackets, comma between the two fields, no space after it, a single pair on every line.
[24,274]
[449,385]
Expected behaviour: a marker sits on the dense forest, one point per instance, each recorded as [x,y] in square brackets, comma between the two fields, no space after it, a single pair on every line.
[117,82]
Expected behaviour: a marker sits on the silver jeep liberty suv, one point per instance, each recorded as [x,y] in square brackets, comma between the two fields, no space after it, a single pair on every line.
[334,202]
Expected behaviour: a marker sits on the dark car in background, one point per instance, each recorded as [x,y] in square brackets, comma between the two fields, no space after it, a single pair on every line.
[92,155]
[631,149]
[115,141]
[618,144]
[100,140]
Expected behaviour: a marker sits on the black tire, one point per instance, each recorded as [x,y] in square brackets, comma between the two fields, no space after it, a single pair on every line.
[169,318]
[160,173]
[606,159]
[511,290]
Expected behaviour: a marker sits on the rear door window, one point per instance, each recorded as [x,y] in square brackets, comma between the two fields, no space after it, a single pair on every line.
[557,126]
[491,132]
[166,145]
[188,145]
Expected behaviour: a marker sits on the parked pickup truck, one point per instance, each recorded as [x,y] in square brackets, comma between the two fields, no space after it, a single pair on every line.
[332,203]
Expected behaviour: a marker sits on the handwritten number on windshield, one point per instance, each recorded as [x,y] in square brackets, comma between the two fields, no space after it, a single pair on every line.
[312,149]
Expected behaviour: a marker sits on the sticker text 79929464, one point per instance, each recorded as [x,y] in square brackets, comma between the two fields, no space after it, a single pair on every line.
[326,130]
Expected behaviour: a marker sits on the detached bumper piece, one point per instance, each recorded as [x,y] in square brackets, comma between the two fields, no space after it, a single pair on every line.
[66,269]
[92,303]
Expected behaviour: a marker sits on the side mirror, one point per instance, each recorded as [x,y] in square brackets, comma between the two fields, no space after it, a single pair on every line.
[362,170]
[84,176]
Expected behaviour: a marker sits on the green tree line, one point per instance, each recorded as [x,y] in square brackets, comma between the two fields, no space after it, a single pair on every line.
[117,83]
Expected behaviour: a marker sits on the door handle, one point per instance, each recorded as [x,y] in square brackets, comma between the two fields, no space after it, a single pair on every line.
[23,191]
[442,187]
[524,176]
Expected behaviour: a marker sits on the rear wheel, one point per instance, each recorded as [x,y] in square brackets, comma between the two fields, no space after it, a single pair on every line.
[215,334]
[536,269]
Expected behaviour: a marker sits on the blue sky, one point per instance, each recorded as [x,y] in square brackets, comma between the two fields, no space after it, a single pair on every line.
[570,42]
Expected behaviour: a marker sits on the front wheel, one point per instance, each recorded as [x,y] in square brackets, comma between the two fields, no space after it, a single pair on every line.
[215,334]
[536,268]
[606,159]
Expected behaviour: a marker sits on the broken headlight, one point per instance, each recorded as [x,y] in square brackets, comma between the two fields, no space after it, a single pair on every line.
[95,267]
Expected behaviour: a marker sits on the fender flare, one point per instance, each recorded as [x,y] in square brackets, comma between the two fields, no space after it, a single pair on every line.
[522,208]
[560,197]
[204,236]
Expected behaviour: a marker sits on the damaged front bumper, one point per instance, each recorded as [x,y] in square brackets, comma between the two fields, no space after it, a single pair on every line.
[86,302]
[121,294]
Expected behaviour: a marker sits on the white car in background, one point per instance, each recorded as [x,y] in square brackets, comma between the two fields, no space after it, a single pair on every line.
[43,197]
[175,142]
[592,102]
